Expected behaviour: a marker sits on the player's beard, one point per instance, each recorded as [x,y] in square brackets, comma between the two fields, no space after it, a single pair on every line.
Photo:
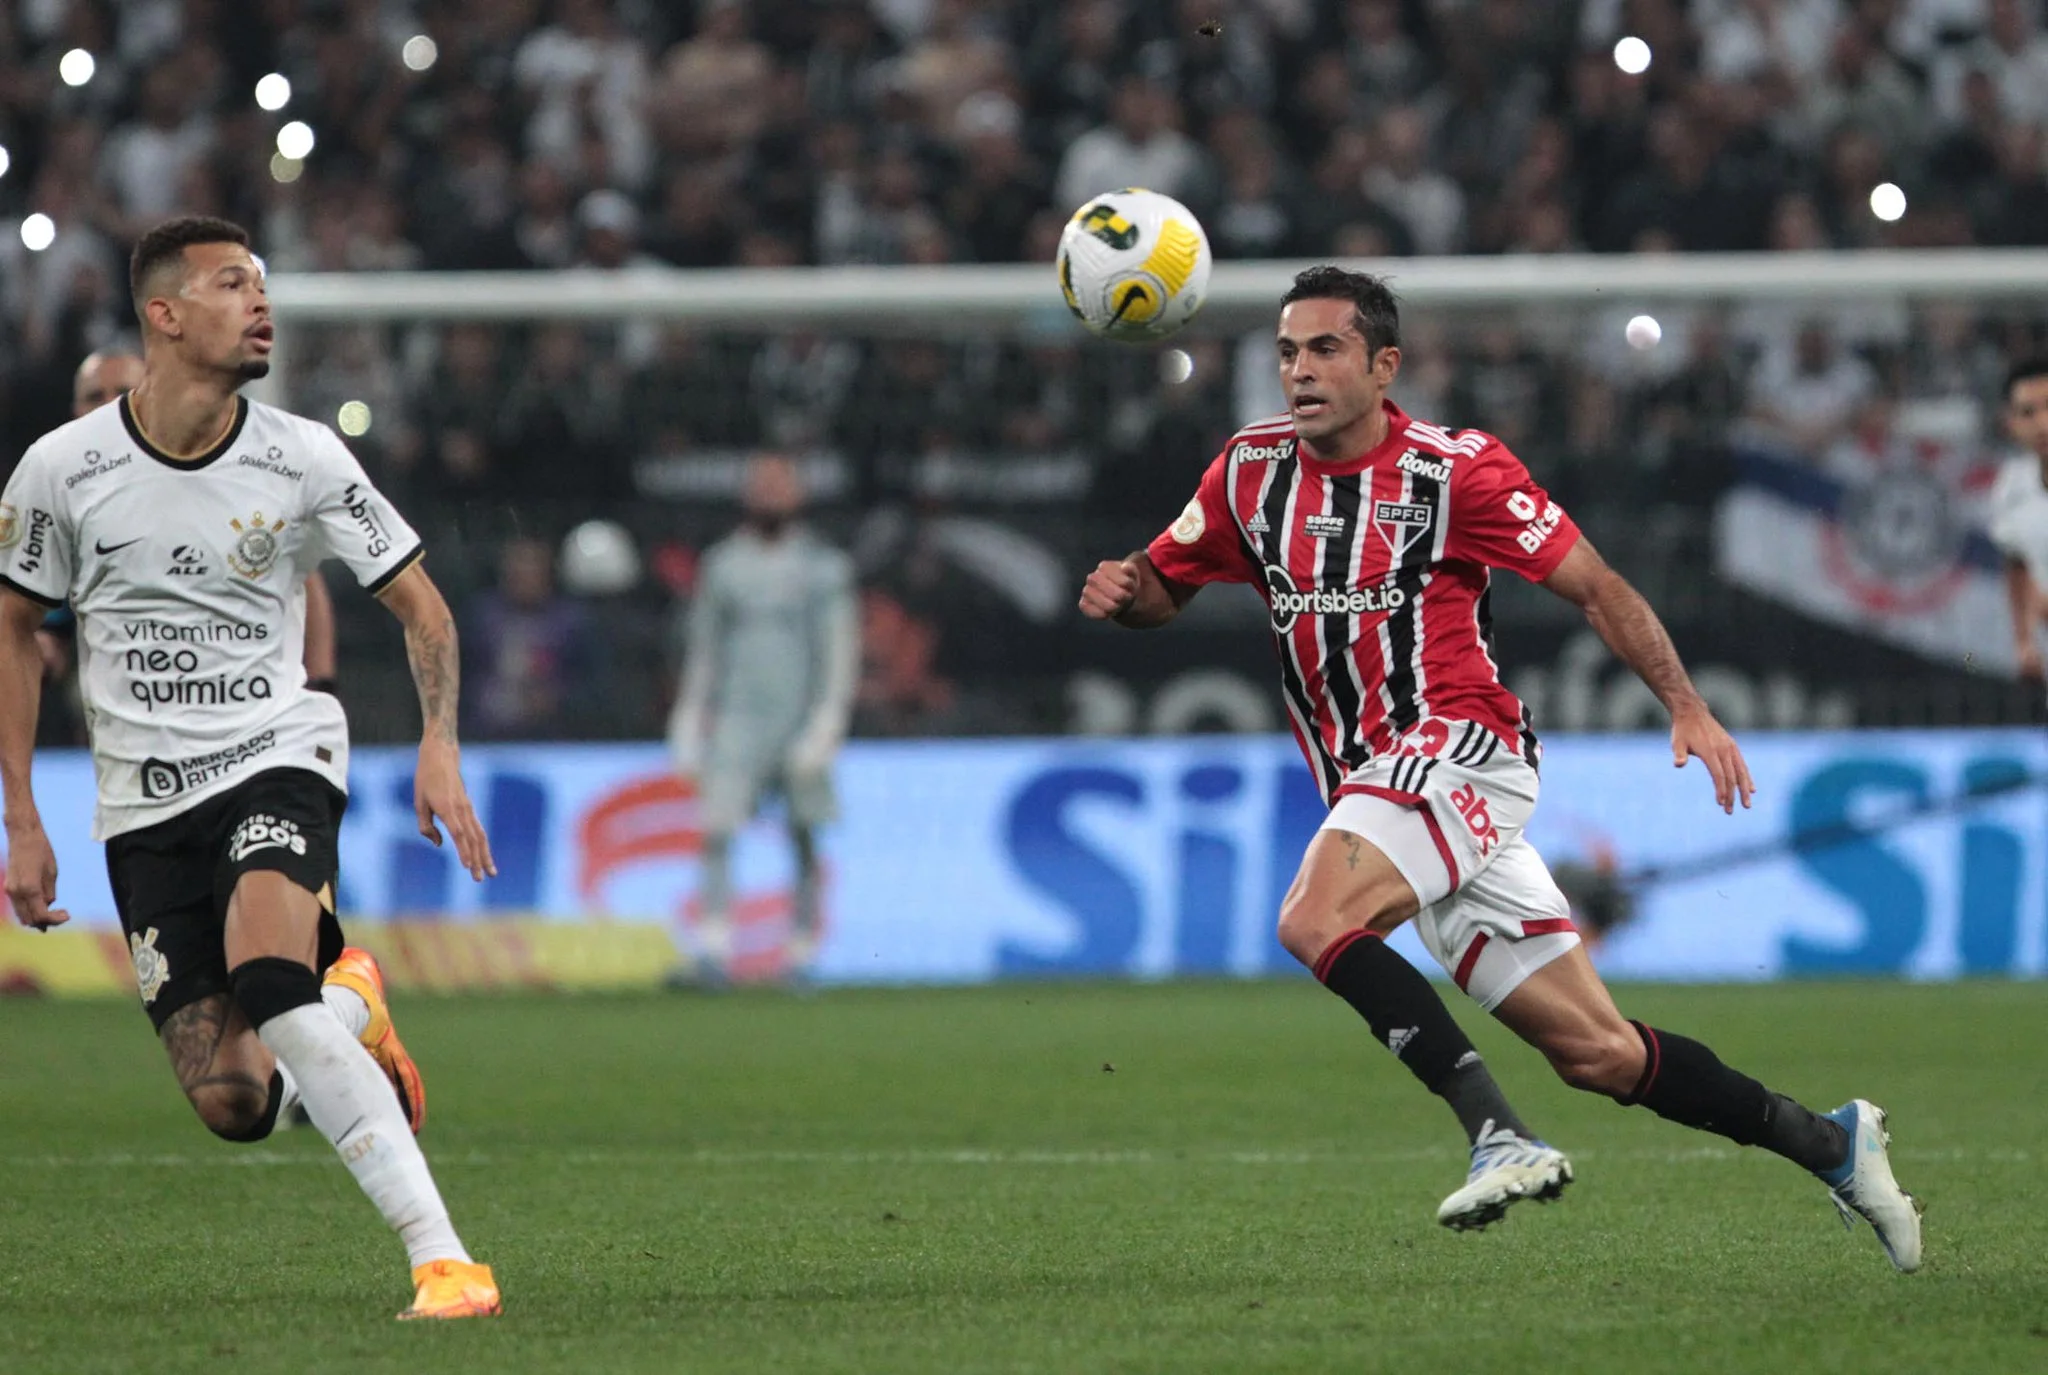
[252,369]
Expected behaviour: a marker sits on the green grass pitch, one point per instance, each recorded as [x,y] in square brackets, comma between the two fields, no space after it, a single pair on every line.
[1056,1178]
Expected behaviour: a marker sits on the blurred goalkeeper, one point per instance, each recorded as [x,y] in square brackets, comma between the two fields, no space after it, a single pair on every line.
[770,664]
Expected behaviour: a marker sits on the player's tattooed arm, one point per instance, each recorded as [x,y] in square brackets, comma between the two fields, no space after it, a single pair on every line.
[1620,616]
[431,648]
[439,795]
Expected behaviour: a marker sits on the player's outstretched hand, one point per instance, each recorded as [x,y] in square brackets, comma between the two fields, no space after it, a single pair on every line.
[32,878]
[1694,731]
[1109,591]
[438,793]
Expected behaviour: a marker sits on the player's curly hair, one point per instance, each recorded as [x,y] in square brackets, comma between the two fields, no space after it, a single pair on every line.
[1379,314]
[166,243]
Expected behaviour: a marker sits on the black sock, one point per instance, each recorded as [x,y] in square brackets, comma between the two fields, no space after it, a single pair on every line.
[1408,1017]
[1686,1083]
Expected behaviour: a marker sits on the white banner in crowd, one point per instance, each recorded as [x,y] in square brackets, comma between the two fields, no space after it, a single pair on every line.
[967,861]
[1897,552]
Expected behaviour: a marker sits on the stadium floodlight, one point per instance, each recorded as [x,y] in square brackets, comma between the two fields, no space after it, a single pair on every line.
[76,67]
[38,232]
[295,140]
[1643,332]
[284,170]
[419,53]
[1887,202]
[353,419]
[1176,366]
[274,91]
[1632,55]
[5,161]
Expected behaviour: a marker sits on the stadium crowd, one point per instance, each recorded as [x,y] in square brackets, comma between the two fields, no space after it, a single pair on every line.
[607,134]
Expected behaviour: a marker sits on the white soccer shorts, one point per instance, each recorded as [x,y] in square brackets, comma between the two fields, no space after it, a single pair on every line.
[1491,913]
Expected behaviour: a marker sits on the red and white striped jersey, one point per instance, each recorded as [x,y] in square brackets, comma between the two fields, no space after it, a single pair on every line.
[1376,570]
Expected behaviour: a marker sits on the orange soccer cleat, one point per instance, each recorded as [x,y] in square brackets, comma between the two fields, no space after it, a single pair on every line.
[453,1289]
[357,971]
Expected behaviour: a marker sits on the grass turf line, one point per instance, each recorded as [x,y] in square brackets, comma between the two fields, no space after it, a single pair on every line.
[1023,1178]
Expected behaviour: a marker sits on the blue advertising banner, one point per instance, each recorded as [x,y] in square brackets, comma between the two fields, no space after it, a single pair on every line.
[1923,854]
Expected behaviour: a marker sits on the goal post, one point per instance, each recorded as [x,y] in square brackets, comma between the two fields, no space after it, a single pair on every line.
[866,296]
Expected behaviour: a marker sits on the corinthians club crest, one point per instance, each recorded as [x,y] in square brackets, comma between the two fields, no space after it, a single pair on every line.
[256,546]
[151,968]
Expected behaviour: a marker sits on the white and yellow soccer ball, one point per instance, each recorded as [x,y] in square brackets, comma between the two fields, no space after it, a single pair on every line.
[1134,265]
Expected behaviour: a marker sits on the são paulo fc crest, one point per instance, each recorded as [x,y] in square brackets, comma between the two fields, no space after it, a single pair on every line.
[152,970]
[256,546]
[10,526]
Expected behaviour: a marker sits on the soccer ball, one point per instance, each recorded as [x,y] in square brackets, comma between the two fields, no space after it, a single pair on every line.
[1134,265]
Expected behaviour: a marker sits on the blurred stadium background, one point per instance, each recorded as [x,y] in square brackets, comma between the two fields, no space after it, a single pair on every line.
[1739,280]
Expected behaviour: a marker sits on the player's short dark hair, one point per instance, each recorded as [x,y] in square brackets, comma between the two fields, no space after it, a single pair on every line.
[166,243]
[1379,314]
[2025,370]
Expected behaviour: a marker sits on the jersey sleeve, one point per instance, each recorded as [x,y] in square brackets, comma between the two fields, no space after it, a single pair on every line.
[1203,545]
[2006,526]
[356,523]
[1500,517]
[36,557]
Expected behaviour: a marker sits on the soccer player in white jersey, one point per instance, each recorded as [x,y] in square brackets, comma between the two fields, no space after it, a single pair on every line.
[2019,510]
[180,523]
[1371,536]
[772,657]
[101,378]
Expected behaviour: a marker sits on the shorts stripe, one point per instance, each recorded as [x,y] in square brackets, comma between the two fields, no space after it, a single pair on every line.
[1545,926]
[1464,974]
[1467,743]
[1443,846]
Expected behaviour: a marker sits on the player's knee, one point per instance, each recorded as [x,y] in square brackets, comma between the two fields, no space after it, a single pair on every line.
[1605,1060]
[1312,917]
[269,987]
[233,1110]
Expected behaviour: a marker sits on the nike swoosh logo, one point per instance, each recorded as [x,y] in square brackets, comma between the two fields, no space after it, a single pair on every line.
[102,547]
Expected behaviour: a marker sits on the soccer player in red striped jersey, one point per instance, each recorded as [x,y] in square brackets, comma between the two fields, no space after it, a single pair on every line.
[1372,537]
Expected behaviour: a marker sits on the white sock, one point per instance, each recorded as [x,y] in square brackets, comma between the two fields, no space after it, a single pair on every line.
[352,1104]
[288,1096]
[348,1005]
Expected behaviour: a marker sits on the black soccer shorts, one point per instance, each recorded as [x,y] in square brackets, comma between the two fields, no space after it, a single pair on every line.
[172,881]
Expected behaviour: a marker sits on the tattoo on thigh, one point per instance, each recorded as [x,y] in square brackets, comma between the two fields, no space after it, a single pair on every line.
[193,1035]
[1351,845]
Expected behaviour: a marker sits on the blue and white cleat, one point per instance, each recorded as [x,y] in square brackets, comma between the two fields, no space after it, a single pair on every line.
[1863,1186]
[1506,1168]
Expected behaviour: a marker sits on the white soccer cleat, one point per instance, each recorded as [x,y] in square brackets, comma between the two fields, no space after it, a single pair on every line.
[1506,1168]
[1863,1186]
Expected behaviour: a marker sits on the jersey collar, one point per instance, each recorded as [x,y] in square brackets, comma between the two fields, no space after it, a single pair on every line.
[1394,443]
[184,464]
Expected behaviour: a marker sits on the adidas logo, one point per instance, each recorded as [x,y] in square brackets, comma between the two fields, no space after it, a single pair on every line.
[1257,524]
[1397,1040]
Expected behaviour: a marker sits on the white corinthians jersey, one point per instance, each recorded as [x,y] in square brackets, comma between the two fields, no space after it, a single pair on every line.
[188,580]
[2018,508]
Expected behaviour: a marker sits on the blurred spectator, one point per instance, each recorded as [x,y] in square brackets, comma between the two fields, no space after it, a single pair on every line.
[532,657]
[1001,186]
[2012,53]
[1140,146]
[584,75]
[1405,181]
[1807,395]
